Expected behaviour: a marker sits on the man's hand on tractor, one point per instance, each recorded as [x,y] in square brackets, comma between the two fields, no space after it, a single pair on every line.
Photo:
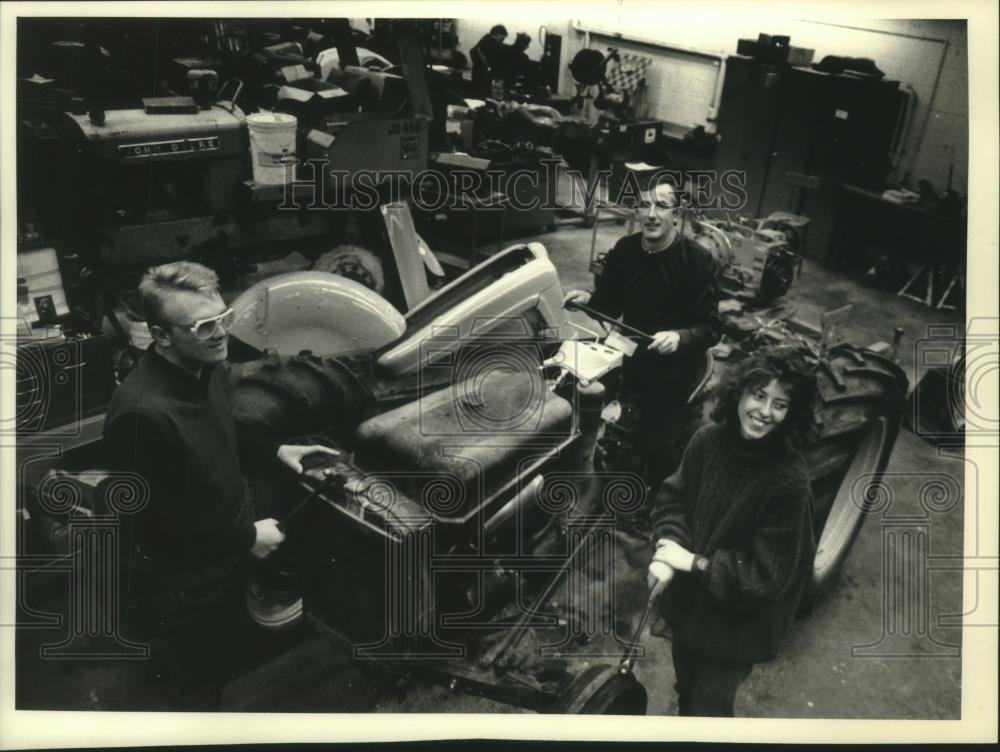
[292,454]
[576,297]
[269,537]
[665,343]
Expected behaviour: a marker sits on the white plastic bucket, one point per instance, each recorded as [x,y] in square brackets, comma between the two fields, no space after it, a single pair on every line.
[272,146]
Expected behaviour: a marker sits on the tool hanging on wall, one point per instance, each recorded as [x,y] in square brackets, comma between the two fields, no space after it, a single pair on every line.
[589,70]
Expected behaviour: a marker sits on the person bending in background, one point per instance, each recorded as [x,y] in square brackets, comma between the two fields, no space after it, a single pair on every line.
[488,60]
[517,66]
[659,282]
[171,422]
[734,522]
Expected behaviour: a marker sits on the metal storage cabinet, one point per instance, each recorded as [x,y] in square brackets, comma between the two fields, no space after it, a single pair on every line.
[748,120]
[796,135]
[776,119]
[857,122]
[836,127]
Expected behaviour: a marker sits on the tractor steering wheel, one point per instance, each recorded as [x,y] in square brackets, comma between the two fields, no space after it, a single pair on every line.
[603,318]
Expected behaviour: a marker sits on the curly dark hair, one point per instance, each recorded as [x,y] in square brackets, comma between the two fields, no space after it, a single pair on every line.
[786,364]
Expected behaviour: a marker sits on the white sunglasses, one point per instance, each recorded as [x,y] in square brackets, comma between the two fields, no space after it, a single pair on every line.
[204,329]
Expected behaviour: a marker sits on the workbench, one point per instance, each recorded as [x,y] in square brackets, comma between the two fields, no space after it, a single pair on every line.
[912,235]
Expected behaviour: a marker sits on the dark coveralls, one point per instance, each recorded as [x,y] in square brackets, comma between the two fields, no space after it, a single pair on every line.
[674,289]
[483,75]
[517,67]
[178,432]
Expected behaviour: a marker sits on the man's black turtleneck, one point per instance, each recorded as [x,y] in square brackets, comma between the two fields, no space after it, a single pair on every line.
[671,289]
[177,431]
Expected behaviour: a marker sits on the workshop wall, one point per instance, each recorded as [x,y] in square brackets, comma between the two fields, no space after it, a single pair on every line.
[946,116]
[928,55]
[683,83]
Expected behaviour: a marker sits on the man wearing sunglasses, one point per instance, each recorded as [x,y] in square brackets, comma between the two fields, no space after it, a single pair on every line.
[661,284]
[171,421]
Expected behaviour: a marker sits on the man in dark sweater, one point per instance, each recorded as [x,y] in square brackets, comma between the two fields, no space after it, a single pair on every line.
[171,422]
[517,66]
[487,60]
[660,283]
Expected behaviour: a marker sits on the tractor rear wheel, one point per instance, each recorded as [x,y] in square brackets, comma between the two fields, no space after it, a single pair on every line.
[354,262]
[863,395]
[603,690]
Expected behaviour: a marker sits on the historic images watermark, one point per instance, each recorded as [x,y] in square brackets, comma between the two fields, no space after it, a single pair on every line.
[907,559]
[71,534]
[497,385]
[954,414]
[48,388]
[68,525]
[968,363]
[316,185]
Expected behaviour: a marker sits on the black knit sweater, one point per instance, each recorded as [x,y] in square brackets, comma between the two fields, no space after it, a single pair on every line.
[178,432]
[746,506]
[674,289]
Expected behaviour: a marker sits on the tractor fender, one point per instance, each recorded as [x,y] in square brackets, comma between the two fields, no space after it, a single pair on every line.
[318,311]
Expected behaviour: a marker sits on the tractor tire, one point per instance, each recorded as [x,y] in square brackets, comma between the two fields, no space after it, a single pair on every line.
[356,263]
[284,398]
[862,408]
[603,690]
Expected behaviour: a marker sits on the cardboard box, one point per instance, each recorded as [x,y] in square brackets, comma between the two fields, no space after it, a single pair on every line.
[371,143]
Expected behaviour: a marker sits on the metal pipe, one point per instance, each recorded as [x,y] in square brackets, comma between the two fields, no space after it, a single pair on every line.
[628,660]
[581,29]
[598,316]
[875,31]
[930,111]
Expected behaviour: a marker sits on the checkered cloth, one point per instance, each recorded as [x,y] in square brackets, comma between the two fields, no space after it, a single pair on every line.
[629,74]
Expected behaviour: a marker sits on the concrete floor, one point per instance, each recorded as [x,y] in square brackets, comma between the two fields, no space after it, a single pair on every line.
[911,669]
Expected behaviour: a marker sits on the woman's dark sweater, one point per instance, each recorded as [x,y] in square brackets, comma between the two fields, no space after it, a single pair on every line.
[747,507]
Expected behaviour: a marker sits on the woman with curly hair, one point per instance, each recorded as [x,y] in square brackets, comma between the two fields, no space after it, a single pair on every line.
[734,522]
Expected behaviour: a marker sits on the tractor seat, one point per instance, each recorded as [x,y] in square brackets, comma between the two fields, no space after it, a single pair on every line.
[455,448]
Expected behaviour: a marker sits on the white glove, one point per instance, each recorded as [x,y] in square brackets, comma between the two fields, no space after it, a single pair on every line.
[581,297]
[658,577]
[665,343]
[673,554]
